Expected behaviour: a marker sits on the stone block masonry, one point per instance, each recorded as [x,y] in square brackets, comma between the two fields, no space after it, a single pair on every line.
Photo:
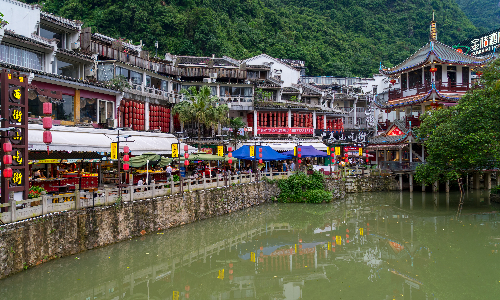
[362,184]
[34,241]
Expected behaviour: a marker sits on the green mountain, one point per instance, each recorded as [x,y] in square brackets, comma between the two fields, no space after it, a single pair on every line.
[484,14]
[333,37]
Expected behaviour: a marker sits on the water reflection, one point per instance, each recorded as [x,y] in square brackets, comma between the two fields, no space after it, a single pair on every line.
[369,246]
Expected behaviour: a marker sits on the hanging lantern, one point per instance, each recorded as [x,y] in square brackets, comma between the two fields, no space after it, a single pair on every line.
[187,287]
[47,108]
[346,160]
[229,154]
[260,161]
[186,147]
[346,154]
[332,155]
[299,155]
[47,137]
[230,161]
[260,150]
[7,173]
[126,149]
[260,155]
[433,70]
[126,158]
[186,162]
[300,161]
[367,160]
[7,147]
[229,149]
[126,167]
[392,81]
[7,159]
[186,155]
[299,149]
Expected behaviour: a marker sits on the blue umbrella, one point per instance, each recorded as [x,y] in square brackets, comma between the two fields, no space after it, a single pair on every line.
[308,151]
[268,153]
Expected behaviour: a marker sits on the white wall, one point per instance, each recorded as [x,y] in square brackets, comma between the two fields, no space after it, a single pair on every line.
[22,18]
[288,74]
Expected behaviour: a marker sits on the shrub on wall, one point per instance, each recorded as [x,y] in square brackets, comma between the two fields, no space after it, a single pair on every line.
[304,188]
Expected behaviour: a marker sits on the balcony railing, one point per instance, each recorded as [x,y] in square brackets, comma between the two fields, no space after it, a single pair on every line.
[399,166]
[425,88]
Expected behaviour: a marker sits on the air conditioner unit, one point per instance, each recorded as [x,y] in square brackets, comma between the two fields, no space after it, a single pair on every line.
[207,80]
[213,75]
[75,45]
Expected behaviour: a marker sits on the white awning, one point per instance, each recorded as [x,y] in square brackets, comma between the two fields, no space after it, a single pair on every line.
[99,140]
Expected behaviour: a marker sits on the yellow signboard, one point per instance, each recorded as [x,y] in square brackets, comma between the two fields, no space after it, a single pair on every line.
[329,246]
[48,161]
[175,150]
[338,240]
[252,150]
[337,150]
[220,150]
[175,295]
[114,150]
[221,274]
[252,256]
[360,151]
[361,231]
[328,150]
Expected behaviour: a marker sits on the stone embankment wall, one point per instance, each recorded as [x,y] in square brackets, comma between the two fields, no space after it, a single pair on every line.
[34,241]
[362,184]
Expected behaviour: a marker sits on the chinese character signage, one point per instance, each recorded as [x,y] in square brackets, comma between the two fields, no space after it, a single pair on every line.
[284,130]
[175,150]
[343,137]
[252,151]
[220,150]
[480,45]
[14,103]
[114,150]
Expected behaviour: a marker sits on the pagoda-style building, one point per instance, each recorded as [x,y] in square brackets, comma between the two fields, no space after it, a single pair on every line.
[436,75]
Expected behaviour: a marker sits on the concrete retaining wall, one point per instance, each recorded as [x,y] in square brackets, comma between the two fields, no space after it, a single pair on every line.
[362,184]
[34,241]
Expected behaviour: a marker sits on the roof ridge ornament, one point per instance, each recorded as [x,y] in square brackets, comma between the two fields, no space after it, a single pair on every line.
[433,30]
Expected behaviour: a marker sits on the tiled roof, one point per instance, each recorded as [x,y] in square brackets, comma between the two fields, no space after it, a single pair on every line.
[290,90]
[391,139]
[443,54]
[75,54]
[11,34]
[74,25]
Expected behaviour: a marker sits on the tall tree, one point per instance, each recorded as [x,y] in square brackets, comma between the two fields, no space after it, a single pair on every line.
[464,137]
[200,108]
[236,124]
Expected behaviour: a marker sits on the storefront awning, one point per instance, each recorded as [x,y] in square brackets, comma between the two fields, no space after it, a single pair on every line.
[99,140]
[287,146]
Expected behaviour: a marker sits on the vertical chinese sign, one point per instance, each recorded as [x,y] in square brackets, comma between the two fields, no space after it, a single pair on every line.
[14,102]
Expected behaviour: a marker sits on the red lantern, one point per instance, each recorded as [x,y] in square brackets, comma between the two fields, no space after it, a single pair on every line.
[126,158]
[7,147]
[47,122]
[47,108]
[229,149]
[7,159]
[332,155]
[299,149]
[229,154]
[186,162]
[47,137]
[460,50]
[187,288]
[186,147]
[479,73]
[367,160]
[260,161]
[126,149]
[7,173]
[260,150]
[126,167]
[392,81]
[260,155]
[230,161]
[299,155]
[186,155]
[300,161]
[345,154]
[433,70]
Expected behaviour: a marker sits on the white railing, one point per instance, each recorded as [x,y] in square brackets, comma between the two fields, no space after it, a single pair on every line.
[47,203]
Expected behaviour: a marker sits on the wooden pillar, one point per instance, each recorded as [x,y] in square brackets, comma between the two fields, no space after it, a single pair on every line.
[487,180]
[477,182]
[411,182]
[411,152]
[76,106]
[423,186]
[435,186]
[400,182]
[447,187]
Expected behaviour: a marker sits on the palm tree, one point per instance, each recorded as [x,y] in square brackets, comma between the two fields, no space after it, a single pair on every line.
[236,124]
[201,108]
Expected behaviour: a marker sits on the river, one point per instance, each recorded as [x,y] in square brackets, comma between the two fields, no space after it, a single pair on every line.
[367,246]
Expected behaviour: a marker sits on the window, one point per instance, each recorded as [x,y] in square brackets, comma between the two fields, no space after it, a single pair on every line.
[88,110]
[105,110]
[148,81]
[136,77]
[49,34]
[404,81]
[164,86]
[415,78]
[67,69]
[21,57]
[61,110]
[465,75]
[104,72]
[439,73]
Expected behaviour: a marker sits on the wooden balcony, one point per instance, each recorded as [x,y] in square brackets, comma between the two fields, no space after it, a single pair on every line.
[446,87]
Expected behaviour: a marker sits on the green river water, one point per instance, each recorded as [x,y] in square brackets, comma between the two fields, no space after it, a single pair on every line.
[367,246]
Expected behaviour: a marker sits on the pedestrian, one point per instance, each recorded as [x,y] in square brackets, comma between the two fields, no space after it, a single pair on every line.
[292,166]
[169,172]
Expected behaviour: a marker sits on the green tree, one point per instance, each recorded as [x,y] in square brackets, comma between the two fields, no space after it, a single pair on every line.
[236,124]
[465,137]
[2,20]
[200,108]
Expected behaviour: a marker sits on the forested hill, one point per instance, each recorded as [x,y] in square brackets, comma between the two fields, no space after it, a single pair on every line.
[484,14]
[333,37]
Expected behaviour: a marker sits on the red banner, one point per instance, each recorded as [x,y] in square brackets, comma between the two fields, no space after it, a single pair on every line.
[284,130]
